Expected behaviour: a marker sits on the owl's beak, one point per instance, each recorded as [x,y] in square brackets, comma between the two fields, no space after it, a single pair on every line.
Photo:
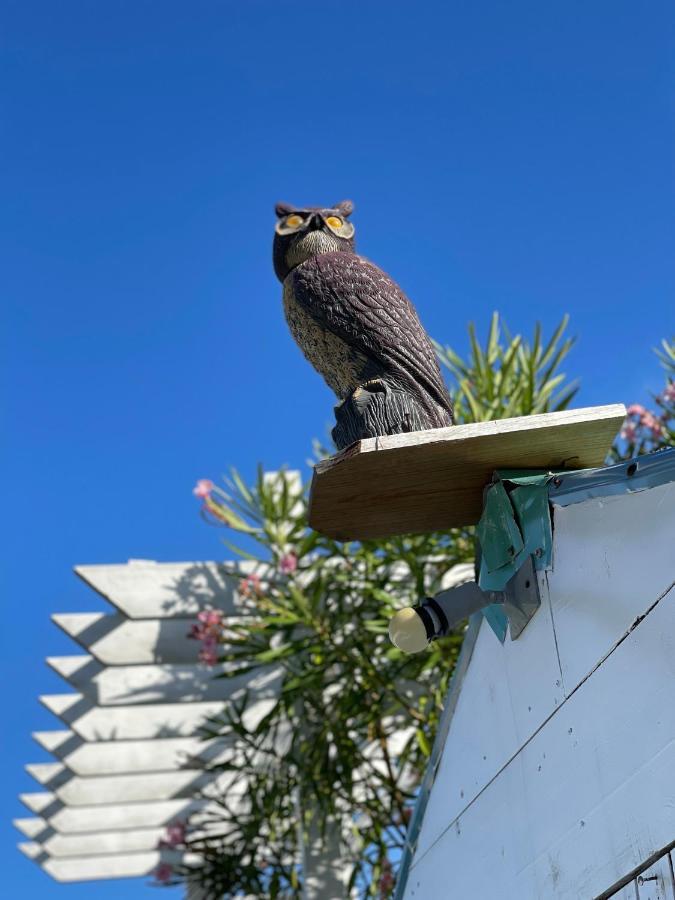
[316,222]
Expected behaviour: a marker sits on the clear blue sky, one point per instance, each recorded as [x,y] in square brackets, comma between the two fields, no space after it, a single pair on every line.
[502,155]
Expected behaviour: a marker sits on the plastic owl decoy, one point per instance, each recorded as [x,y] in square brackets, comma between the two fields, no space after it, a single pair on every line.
[356,327]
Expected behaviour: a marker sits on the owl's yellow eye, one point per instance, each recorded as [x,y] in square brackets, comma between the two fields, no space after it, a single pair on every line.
[334,222]
[294,221]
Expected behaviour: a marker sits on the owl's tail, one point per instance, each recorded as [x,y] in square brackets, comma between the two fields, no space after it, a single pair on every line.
[386,407]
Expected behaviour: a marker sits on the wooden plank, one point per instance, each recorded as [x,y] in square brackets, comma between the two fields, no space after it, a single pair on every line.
[119,757]
[39,802]
[586,800]
[32,827]
[59,743]
[144,589]
[434,480]
[97,723]
[127,840]
[97,868]
[116,640]
[149,786]
[49,775]
[118,816]
[126,685]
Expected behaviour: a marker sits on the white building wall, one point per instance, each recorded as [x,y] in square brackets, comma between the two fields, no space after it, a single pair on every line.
[557,778]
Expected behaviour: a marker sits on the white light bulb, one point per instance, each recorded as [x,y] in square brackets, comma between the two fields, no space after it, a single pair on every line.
[407,631]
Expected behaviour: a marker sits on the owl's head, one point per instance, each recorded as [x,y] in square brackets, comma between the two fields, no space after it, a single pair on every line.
[304,232]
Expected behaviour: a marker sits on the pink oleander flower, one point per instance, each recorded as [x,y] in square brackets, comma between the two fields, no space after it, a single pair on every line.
[208,629]
[175,834]
[163,873]
[211,619]
[629,432]
[209,625]
[250,585]
[386,882]
[668,395]
[203,488]
[208,655]
[636,409]
[288,563]
[649,420]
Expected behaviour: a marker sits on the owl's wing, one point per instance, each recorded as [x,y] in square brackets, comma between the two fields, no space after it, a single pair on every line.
[361,304]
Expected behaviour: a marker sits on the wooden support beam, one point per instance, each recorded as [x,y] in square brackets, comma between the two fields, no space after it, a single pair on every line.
[433,480]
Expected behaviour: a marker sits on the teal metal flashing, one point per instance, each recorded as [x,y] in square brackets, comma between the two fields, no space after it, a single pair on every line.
[639,474]
[515,525]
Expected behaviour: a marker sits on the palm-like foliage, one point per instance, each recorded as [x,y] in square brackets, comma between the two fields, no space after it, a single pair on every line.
[510,377]
[347,739]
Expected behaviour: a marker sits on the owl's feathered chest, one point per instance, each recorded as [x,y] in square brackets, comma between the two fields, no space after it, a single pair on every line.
[343,368]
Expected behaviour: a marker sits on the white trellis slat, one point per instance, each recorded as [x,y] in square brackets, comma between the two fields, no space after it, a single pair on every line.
[120,817]
[95,723]
[97,868]
[116,640]
[117,757]
[130,761]
[127,760]
[56,844]
[143,589]
[124,685]
[74,790]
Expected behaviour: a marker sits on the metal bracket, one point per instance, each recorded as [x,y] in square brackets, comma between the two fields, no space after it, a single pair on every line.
[521,598]
[514,606]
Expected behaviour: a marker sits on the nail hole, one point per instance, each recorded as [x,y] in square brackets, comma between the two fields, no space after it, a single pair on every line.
[527,583]
[632,469]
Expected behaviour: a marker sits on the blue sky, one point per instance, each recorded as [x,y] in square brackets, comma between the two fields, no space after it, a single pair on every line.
[511,156]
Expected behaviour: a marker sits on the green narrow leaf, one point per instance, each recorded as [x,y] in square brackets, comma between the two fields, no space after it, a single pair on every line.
[553,342]
[423,743]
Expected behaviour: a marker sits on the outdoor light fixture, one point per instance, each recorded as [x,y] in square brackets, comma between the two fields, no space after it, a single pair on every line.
[413,628]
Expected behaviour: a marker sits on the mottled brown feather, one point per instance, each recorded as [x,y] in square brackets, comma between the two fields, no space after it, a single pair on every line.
[361,304]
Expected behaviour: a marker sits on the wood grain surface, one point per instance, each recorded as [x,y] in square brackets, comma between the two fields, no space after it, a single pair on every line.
[433,480]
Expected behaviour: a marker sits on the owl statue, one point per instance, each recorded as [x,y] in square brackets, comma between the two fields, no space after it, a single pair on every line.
[356,327]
